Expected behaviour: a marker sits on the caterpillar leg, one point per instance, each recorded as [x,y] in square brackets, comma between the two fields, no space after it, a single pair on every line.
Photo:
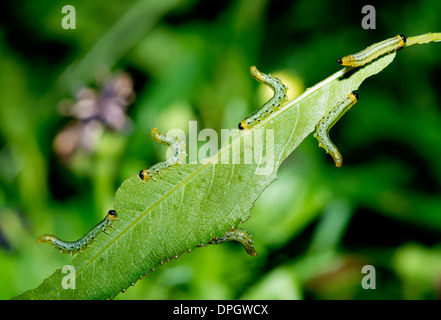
[239,235]
[328,121]
[178,148]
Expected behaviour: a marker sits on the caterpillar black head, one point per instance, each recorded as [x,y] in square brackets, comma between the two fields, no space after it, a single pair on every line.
[245,124]
[112,215]
[355,94]
[141,174]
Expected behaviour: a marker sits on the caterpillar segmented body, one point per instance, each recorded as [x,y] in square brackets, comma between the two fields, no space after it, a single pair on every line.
[85,241]
[374,51]
[326,123]
[178,149]
[274,104]
[239,235]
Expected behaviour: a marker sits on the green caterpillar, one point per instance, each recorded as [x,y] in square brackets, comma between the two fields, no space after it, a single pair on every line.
[178,156]
[239,235]
[274,104]
[374,51]
[323,127]
[85,241]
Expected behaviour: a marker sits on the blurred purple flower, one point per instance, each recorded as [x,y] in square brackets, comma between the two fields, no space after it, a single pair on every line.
[93,111]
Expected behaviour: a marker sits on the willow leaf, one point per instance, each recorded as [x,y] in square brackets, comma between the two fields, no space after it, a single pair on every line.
[194,203]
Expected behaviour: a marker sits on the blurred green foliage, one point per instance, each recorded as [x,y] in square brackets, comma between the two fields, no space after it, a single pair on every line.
[314,228]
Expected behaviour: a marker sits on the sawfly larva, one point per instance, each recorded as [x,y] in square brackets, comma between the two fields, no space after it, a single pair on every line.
[85,241]
[326,123]
[178,149]
[239,235]
[372,52]
[274,104]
